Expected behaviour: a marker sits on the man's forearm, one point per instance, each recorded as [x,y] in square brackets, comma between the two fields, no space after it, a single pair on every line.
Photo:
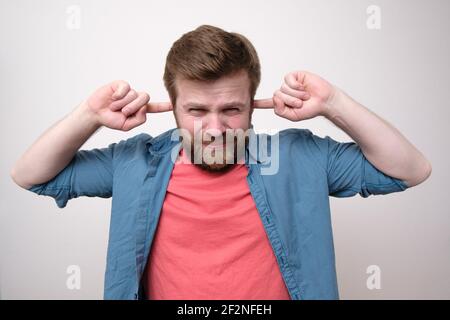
[54,149]
[382,144]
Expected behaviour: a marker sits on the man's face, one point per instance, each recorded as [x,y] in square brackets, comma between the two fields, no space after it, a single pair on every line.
[210,110]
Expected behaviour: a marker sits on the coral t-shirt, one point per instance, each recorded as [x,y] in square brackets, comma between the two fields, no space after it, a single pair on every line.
[210,242]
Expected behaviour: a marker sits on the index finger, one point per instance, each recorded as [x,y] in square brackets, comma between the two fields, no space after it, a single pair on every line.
[263,103]
[154,107]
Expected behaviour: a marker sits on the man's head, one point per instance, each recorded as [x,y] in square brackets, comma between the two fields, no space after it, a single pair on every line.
[212,76]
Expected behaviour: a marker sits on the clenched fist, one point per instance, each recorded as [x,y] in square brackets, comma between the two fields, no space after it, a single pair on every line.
[118,106]
[303,95]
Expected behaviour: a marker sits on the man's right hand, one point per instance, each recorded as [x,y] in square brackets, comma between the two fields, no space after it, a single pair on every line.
[118,106]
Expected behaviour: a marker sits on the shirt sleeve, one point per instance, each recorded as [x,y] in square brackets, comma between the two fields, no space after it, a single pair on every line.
[349,172]
[89,173]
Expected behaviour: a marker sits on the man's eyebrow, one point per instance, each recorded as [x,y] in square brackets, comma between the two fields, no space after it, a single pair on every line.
[228,104]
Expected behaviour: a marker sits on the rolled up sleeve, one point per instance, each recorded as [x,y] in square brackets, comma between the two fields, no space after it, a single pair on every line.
[349,172]
[89,173]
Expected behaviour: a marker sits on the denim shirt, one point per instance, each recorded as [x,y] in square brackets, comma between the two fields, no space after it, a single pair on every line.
[293,203]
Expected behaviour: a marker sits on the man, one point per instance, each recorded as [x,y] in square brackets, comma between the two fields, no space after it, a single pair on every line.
[193,220]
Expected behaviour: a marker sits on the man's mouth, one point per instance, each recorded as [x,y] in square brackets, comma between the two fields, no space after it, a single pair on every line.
[214,146]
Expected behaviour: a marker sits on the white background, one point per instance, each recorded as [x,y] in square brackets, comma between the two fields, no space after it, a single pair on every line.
[401,72]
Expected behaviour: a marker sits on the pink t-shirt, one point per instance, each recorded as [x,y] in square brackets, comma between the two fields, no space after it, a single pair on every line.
[210,242]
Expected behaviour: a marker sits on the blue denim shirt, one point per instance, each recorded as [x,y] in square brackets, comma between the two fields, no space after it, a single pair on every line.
[293,203]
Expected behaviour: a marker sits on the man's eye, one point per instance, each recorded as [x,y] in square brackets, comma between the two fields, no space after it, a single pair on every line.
[196,111]
[232,110]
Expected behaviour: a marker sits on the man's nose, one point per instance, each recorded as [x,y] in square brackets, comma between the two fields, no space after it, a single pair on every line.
[215,124]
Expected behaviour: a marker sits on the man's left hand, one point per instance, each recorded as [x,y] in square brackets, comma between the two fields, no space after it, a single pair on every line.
[303,95]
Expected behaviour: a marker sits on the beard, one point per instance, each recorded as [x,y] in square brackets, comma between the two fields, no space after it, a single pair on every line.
[232,150]
[219,155]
